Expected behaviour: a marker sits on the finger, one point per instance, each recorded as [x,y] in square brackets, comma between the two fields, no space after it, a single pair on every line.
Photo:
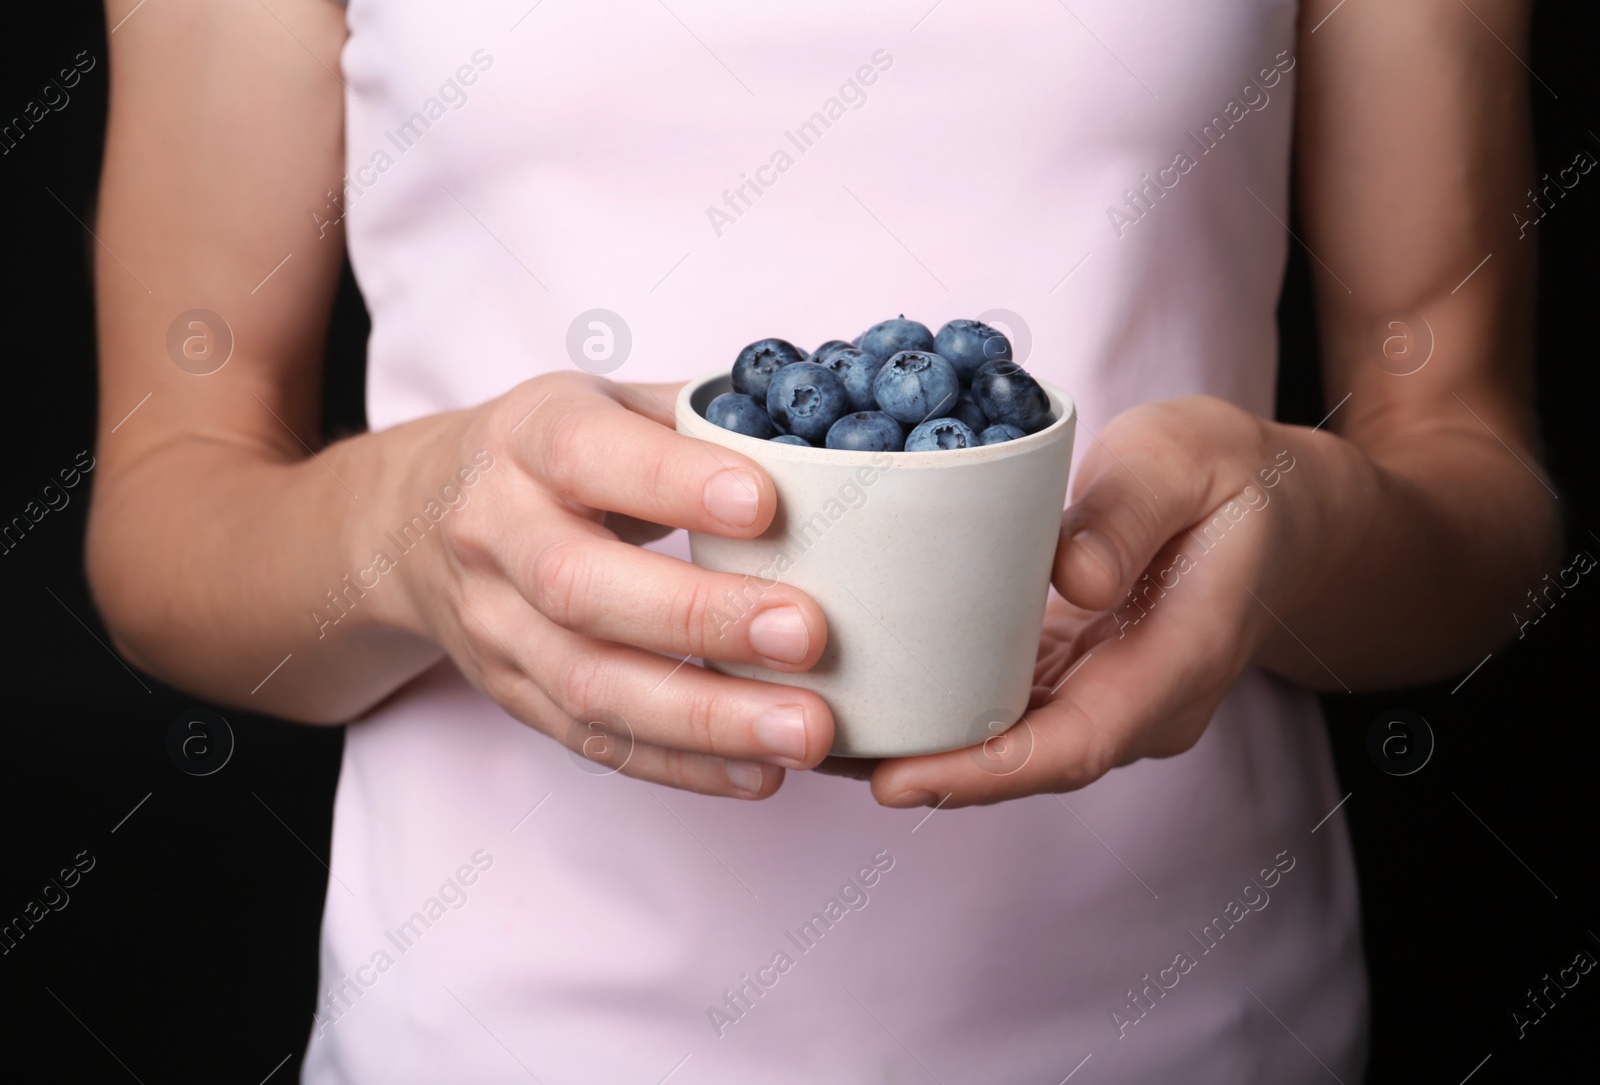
[672,703]
[1155,471]
[602,748]
[593,450]
[654,401]
[1149,693]
[660,701]
[612,591]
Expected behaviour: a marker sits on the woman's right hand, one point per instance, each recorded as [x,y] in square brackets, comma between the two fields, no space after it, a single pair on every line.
[581,635]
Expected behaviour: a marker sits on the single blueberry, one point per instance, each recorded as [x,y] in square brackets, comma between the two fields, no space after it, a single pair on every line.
[999,434]
[867,431]
[805,400]
[855,368]
[889,337]
[791,439]
[916,385]
[1007,394]
[967,344]
[968,411]
[753,369]
[941,433]
[820,355]
[740,413]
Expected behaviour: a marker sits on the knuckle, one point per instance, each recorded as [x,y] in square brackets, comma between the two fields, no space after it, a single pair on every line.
[1099,758]
[560,578]
[467,537]
[698,718]
[677,770]
[586,683]
[561,448]
[691,613]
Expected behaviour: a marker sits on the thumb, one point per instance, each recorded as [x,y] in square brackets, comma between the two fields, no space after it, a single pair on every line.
[1156,470]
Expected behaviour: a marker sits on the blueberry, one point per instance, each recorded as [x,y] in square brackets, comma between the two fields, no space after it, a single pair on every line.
[867,431]
[967,344]
[805,400]
[820,355]
[999,434]
[916,385]
[855,368]
[753,369]
[740,413]
[791,439]
[941,433]
[1007,394]
[890,337]
[968,411]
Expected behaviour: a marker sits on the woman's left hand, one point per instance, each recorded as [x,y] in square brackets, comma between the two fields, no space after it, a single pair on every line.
[1182,541]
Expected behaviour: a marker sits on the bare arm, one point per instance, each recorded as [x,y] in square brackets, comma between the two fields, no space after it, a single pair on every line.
[220,547]
[1391,548]
[213,534]
[1414,150]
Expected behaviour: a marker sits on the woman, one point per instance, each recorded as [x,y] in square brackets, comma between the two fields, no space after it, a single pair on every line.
[1153,882]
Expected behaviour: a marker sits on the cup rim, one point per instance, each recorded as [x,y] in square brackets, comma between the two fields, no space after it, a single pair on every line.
[692,423]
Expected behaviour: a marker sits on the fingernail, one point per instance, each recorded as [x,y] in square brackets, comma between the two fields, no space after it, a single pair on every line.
[733,497]
[782,729]
[907,799]
[780,633]
[744,776]
[1100,548]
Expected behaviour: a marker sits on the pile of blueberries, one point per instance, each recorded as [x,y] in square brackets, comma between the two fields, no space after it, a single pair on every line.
[957,389]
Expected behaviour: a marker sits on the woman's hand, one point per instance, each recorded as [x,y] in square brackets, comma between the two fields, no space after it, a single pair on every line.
[582,635]
[1182,540]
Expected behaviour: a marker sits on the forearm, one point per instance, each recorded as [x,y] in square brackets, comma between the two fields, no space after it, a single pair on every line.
[214,562]
[1403,556]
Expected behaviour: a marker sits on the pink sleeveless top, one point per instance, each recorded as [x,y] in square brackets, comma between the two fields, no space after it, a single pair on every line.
[714,172]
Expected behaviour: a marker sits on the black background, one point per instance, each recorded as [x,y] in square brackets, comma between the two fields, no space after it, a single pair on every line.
[188,951]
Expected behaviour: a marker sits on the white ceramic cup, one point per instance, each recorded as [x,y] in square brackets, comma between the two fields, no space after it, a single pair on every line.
[931,568]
